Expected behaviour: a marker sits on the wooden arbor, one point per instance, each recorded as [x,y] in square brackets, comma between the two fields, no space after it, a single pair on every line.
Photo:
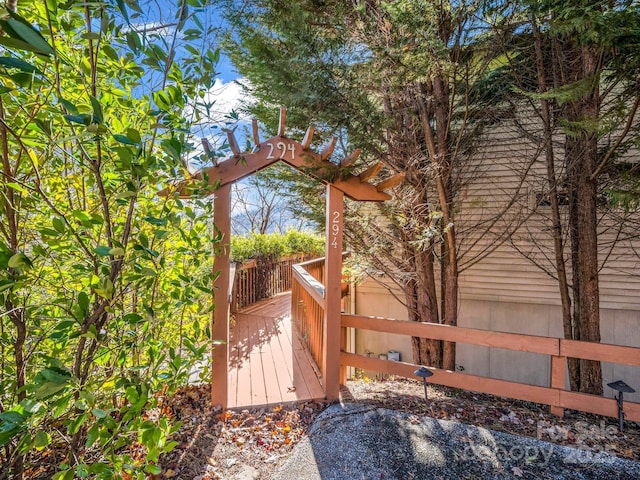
[339,183]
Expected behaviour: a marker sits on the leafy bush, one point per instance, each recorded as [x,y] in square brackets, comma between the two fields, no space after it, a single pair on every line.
[271,246]
[104,286]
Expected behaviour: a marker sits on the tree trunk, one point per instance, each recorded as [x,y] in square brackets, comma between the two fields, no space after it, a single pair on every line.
[582,160]
[552,181]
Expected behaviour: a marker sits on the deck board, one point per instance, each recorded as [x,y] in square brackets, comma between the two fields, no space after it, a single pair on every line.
[268,363]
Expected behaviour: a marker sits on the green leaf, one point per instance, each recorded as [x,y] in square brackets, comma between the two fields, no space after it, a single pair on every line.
[56,375]
[116,252]
[92,435]
[132,318]
[12,62]
[156,221]
[134,135]
[91,36]
[11,419]
[29,34]
[41,440]
[153,469]
[15,43]
[63,475]
[83,301]
[48,389]
[123,139]
[20,260]
[99,414]
[59,225]
[103,251]
[97,109]
[122,9]
[76,423]
[70,107]
[81,119]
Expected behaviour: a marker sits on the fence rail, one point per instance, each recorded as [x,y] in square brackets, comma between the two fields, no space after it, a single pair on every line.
[307,306]
[255,281]
[308,309]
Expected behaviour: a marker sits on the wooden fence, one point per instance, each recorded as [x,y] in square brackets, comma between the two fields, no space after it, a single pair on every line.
[255,281]
[307,305]
[308,308]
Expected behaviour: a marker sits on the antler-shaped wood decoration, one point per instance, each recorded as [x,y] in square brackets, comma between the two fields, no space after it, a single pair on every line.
[299,156]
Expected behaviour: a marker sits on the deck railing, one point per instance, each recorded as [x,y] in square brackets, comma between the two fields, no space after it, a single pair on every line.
[307,305]
[255,281]
[308,309]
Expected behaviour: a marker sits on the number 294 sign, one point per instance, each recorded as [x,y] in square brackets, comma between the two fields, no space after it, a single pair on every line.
[334,229]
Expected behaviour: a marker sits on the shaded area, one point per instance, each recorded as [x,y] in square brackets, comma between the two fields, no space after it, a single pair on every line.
[363,441]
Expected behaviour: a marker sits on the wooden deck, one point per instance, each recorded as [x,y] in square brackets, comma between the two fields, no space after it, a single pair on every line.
[268,363]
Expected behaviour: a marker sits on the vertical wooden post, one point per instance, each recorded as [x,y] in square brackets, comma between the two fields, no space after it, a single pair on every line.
[332,293]
[220,326]
[558,365]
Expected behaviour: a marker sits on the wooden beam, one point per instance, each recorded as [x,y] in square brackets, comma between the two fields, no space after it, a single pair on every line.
[351,158]
[328,150]
[312,286]
[486,338]
[256,133]
[598,405]
[501,388]
[371,172]
[282,121]
[308,137]
[233,143]
[391,182]
[331,369]
[600,351]
[268,153]
[221,290]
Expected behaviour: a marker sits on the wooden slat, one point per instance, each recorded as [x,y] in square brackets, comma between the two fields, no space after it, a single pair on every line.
[308,137]
[598,405]
[391,182]
[501,388]
[600,351]
[351,158]
[269,358]
[487,338]
[282,121]
[256,131]
[233,143]
[328,150]
[371,172]
[557,380]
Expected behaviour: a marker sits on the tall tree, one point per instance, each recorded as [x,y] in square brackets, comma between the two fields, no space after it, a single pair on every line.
[582,88]
[403,80]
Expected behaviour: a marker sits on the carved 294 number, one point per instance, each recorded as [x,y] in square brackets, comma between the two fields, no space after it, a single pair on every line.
[335,228]
[283,148]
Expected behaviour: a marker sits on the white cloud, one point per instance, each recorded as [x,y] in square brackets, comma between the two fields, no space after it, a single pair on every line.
[227,98]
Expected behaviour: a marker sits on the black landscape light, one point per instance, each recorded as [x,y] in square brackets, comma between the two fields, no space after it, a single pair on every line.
[424,373]
[623,388]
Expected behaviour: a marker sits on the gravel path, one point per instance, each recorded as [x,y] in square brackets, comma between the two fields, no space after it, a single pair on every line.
[354,441]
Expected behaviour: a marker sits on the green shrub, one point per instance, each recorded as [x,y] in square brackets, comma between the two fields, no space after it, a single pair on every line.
[271,246]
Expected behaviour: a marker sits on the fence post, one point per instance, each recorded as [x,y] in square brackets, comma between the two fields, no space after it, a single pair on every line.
[558,365]
[221,291]
[332,293]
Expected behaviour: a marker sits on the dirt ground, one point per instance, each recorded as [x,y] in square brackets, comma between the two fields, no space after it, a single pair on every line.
[251,444]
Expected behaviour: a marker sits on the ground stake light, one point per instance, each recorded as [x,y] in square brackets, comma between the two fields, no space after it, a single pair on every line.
[623,388]
[424,373]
